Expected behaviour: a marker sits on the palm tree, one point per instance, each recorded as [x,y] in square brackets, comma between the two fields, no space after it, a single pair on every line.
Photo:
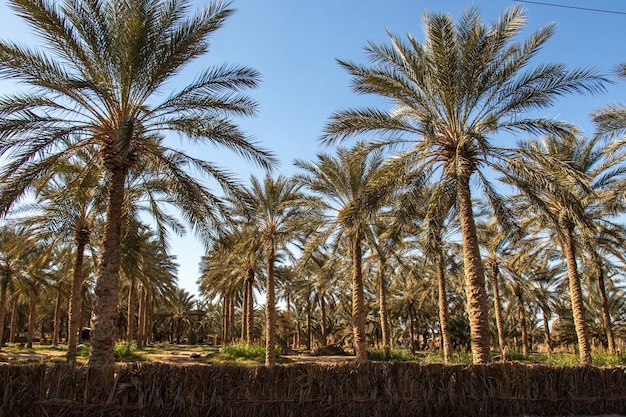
[562,181]
[353,186]
[465,83]
[93,87]
[273,207]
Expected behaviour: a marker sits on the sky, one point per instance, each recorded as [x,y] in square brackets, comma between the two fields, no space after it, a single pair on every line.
[294,44]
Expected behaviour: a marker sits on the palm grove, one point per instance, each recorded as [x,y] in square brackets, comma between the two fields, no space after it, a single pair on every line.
[400,238]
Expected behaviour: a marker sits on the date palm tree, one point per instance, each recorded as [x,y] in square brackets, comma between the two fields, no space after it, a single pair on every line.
[273,207]
[352,186]
[453,92]
[98,82]
[563,182]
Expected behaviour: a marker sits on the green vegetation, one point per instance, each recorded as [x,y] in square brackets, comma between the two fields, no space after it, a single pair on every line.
[126,352]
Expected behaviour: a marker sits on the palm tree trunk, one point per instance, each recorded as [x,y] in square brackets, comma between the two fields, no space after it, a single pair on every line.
[250,309]
[130,312]
[270,308]
[308,325]
[546,328]
[358,301]
[475,278]
[522,320]
[141,318]
[75,306]
[497,308]
[13,322]
[4,290]
[57,320]
[411,327]
[444,315]
[578,309]
[384,320]
[244,312]
[103,337]
[32,309]
[323,320]
[606,316]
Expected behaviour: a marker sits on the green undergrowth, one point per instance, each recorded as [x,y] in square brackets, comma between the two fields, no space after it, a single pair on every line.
[395,355]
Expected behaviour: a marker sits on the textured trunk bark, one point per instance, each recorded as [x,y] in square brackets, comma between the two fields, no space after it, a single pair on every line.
[444,315]
[358,301]
[323,320]
[546,329]
[606,316]
[497,308]
[13,323]
[270,308]
[141,318]
[384,320]
[250,309]
[522,320]
[576,295]
[32,309]
[411,327]
[75,305]
[57,320]
[225,312]
[475,278]
[308,326]
[4,290]
[103,336]
[148,333]
[130,313]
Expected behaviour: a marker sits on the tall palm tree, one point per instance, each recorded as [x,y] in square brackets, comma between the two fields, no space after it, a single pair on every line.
[273,207]
[353,185]
[465,83]
[562,181]
[96,84]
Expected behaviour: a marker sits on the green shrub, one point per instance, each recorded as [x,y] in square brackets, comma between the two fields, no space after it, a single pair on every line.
[395,355]
[246,351]
[82,350]
[122,351]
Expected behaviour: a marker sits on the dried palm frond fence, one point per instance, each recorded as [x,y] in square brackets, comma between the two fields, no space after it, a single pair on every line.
[369,389]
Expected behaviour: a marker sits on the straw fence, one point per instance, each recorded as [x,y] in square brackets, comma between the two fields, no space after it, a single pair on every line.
[369,389]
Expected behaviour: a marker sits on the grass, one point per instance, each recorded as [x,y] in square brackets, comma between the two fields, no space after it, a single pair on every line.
[242,354]
[395,355]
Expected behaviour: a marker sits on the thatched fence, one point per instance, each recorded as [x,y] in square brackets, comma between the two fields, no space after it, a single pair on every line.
[370,389]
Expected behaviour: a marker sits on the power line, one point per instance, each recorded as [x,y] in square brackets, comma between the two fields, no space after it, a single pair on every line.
[571,7]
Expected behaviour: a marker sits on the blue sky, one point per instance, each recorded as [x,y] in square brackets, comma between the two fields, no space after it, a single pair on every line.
[294,44]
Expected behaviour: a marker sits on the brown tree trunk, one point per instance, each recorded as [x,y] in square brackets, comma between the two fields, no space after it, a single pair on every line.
[308,325]
[358,301]
[497,308]
[250,309]
[576,295]
[323,320]
[444,315]
[270,308]
[13,323]
[141,318]
[384,320]
[103,336]
[57,320]
[546,329]
[522,320]
[244,312]
[4,290]
[411,327]
[606,316]
[130,313]
[75,305]
[32,309]
[474,275]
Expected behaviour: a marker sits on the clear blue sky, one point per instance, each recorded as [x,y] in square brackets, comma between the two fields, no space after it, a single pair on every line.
[294,44]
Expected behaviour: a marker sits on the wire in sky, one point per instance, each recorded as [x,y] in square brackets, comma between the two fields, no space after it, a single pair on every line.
[571,7]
